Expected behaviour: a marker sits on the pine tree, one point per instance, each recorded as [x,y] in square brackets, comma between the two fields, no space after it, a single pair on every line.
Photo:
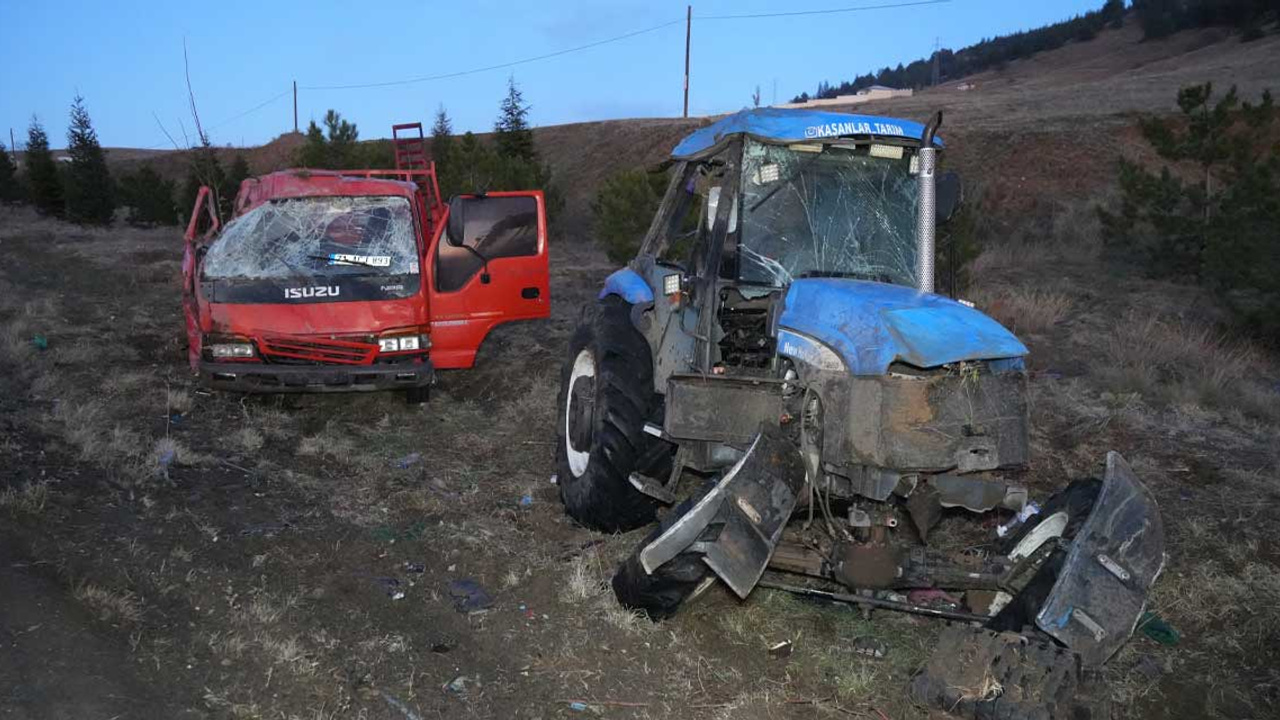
[150,198]
[442,141]
[89,195]
[9,188]
[337,151]
[342,140]
[1113,13]
[237,173]
[314,151]
[43,180]
[511,131]
[1221,225]
[204,169]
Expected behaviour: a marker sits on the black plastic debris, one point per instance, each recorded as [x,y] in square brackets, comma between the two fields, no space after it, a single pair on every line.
[468,596]
[392,587]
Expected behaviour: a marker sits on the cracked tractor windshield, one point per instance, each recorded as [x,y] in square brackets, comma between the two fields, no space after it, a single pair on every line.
[318,237]
[814,210]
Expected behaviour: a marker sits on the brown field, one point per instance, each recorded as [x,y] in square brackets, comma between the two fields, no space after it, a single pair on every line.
[253,574]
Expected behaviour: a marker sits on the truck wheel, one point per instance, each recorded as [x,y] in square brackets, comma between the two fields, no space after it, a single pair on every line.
[1061,517]
[661,594]
[606,395]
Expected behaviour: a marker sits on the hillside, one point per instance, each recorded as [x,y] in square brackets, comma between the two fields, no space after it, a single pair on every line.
[1049,125]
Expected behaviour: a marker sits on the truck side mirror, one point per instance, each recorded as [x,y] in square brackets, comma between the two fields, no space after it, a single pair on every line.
[949,194]
[456,229]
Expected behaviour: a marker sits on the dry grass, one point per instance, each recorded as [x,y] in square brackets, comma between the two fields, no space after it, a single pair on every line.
[110,605]
[249,439]
[178,400]
[1182,363]
[29,500]
[1027,311]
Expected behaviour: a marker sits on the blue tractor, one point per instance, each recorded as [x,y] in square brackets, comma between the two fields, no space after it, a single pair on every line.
[778,336]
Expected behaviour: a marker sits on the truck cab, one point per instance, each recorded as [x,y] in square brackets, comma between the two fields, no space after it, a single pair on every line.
[356,280]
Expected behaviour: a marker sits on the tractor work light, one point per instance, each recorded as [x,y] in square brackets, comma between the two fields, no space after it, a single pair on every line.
[231,350]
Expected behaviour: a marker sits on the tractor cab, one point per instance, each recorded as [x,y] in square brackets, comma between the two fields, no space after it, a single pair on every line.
[355,280]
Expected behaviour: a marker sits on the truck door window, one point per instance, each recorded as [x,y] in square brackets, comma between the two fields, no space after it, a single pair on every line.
[496,227]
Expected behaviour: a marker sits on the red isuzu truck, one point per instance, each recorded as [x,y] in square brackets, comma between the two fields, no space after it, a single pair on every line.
[355,280]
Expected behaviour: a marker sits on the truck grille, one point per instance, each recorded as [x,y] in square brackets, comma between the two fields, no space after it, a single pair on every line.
[294,350]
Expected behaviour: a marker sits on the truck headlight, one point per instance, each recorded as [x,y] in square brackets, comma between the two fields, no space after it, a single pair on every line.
[401,343]
[231,350]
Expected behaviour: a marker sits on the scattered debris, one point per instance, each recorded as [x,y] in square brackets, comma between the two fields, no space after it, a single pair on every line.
[526,500]
[1158,629]
[781,650]
[443,647]
[1026,513]
[40,342]
[462,684]
[555,479]
[578,706]
[393,587]
[166,459]
[932,597]
[414,567]
[409,460]
[397,704]
[468,596]
[870,647]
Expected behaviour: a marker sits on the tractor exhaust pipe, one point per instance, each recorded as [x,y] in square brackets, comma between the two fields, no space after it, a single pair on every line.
[928,159]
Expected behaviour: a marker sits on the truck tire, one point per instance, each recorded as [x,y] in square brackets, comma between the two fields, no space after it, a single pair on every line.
[606,395]
[660,595]
[1061,517]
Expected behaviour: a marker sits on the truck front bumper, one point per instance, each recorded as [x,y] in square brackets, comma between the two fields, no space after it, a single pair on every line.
[275,378]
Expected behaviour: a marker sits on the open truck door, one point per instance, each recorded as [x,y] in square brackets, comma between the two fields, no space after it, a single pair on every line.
[488,266]
[203,225]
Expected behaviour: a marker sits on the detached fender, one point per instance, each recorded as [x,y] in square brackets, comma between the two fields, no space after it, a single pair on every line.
[1116,557]
[628,285]
[737,525]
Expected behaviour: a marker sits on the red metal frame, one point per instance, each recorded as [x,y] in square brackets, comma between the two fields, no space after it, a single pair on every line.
[455,322]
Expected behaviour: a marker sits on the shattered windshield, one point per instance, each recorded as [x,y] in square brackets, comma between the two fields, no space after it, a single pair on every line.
[320,236]
[827,211]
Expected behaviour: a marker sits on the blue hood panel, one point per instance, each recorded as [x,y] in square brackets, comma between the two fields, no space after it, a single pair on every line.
[870,325]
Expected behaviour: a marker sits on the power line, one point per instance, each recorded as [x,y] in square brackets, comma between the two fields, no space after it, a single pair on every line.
[251,110]
[228,121]
[499,66]
[796,13]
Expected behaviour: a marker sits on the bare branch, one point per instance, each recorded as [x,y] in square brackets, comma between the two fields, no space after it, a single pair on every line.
[163,130]
[191,96]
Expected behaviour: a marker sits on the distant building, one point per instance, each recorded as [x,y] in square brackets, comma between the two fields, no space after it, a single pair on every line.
[867,94]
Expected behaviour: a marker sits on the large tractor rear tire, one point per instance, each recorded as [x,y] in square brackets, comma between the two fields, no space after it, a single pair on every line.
[606,396]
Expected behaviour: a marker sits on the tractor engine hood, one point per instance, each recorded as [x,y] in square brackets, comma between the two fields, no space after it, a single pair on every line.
[871,325]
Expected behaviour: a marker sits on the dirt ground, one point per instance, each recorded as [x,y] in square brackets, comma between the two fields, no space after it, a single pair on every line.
[256,572]
[166,552]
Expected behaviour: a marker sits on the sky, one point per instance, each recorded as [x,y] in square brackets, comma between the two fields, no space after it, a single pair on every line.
[126,59]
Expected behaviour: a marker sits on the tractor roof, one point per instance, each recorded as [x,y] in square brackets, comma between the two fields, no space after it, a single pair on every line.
[779,125]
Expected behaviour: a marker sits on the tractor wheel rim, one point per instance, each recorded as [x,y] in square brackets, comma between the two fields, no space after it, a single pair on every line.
[579,415]
[1044,531]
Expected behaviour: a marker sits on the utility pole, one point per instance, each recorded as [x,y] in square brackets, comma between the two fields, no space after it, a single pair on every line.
[13,149]
[295,106]
[688,30]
